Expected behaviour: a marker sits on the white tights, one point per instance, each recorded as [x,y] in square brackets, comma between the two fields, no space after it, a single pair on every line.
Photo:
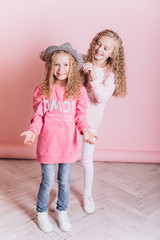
[87,161]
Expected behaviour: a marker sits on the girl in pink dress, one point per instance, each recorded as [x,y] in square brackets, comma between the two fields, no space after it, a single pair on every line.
[60,105]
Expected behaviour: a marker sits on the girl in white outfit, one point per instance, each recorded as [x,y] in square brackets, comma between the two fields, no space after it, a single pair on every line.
[104,76]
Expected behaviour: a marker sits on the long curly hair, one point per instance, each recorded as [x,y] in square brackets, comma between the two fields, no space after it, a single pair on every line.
[116,62]
[73,83]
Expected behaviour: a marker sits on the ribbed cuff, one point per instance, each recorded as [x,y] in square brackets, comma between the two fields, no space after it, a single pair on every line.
[34,130]
[81,127]
[94,83]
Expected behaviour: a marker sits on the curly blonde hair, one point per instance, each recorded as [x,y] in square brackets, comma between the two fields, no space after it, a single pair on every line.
[116,62]
[73,83]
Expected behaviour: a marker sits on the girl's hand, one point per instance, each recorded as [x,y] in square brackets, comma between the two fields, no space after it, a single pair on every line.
[29,137]
[88,136]
[88,68]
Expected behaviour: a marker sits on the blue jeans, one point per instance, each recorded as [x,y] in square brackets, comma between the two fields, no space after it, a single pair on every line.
[47,183]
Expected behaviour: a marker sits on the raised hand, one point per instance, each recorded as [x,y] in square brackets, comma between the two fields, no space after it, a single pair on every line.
[88,68]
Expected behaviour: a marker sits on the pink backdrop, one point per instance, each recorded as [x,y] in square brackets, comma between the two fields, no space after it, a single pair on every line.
[131,127]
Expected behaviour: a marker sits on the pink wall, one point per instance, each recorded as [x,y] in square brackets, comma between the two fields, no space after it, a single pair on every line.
[130,130]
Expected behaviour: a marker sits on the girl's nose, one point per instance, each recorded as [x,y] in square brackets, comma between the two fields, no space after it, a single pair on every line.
[100,48]
[60,67]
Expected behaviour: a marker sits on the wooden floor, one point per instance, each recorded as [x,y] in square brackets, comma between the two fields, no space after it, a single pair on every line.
[127,198]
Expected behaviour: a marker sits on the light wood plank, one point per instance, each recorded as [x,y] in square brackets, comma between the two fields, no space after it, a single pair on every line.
[127,198]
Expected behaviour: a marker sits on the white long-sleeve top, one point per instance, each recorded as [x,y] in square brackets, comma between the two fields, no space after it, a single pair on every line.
[99,92]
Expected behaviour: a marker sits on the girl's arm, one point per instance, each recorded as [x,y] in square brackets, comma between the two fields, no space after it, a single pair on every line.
[103,91]
[80,118]
[36,121]
[81,108]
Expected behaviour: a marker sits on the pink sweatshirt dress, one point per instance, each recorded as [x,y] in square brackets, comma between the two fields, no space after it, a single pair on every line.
[55,122]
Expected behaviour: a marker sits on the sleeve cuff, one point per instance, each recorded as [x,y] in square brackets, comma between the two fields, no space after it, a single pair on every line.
[94,83]
[34,130]
[81,127]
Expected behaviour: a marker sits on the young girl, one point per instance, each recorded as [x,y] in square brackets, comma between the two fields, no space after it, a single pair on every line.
[104,75]
[60,104]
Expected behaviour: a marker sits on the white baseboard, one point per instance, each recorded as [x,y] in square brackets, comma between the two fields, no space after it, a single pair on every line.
[127,156]
[105,155]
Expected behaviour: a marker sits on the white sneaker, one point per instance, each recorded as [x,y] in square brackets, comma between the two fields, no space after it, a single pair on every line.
[63,220]
[43,222]
[53,205]
[88,203]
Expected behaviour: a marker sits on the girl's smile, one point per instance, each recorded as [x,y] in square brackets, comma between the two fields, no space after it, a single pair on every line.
[97,53]
[60,74]
[61,68]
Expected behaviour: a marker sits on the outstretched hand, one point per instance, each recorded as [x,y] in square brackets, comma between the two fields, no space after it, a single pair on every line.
[89,136]
[29,137]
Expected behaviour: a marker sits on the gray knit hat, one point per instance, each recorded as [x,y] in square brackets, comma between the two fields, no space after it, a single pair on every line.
[67,47]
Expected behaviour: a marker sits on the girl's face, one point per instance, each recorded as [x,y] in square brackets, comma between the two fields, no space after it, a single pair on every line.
[61,66]
[104,48]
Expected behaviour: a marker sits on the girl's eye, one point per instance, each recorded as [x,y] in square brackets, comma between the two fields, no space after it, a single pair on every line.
[56,64]
[106,49]
[66,65]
